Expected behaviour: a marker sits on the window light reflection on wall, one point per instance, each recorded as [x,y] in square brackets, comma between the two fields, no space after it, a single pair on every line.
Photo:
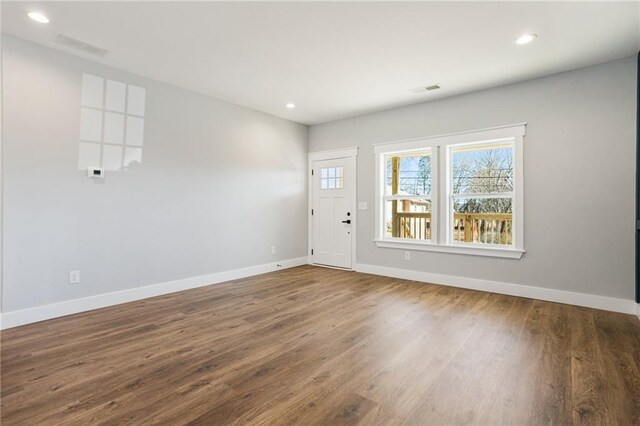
[111,124]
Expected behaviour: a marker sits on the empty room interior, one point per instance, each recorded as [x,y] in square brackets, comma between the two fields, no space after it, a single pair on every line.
[301,213]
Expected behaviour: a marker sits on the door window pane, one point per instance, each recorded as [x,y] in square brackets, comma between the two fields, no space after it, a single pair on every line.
[331,178]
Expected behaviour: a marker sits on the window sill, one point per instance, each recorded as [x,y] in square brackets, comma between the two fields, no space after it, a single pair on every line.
[474,251]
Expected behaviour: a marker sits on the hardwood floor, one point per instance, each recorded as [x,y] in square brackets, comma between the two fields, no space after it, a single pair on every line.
[320,346]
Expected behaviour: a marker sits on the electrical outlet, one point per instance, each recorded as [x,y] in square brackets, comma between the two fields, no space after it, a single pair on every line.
[273,249]
[74,277]
[407,255]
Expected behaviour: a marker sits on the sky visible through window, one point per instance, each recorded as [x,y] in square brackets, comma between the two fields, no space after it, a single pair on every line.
[485,170]
[414,176]
[482,171]
[476,170]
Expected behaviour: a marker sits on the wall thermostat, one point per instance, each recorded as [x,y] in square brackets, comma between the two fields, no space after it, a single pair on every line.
[96,172]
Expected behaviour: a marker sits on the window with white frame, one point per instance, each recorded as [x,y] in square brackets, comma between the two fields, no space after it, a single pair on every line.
[481,187]
[459,193]
[407,195]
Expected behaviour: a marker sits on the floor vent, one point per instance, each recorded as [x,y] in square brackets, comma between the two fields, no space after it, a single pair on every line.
[74,43]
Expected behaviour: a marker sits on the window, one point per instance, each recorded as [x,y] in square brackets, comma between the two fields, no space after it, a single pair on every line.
[111,124]
[407,195]
[481,193]
[459,193]
[331,178]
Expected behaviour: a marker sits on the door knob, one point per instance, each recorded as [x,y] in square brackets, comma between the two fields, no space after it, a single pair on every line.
[346,221]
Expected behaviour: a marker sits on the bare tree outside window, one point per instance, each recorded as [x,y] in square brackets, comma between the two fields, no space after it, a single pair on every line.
[482,188]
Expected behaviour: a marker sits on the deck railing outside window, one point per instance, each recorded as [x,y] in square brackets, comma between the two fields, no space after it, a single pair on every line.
[487,228]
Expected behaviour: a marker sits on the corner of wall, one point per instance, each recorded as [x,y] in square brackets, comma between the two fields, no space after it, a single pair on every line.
[69,307]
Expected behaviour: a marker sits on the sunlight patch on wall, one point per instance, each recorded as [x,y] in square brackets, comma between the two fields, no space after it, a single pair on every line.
[111,124]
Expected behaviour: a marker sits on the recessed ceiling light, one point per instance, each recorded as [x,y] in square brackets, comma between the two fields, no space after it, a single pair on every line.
[38,17]
[290,105]
[526,38]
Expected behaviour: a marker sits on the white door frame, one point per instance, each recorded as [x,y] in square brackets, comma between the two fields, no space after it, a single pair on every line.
[350,185]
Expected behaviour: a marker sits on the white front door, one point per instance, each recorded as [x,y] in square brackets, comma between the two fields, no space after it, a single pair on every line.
[332,211]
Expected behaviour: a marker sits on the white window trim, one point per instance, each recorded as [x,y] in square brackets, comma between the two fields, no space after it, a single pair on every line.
[431,197]
[440,233]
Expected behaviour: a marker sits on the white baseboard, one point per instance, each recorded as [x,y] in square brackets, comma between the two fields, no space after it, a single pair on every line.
[541,293]
[54,310]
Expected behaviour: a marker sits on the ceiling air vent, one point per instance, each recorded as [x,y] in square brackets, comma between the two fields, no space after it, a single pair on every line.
[426,89]
[83,46]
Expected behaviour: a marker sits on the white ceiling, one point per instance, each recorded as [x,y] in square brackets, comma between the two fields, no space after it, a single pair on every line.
[335,60]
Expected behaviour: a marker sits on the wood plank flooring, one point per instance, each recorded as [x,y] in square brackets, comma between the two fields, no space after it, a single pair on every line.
[319,346]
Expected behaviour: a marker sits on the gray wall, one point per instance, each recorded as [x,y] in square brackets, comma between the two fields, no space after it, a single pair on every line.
[579,176]
[219,185]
